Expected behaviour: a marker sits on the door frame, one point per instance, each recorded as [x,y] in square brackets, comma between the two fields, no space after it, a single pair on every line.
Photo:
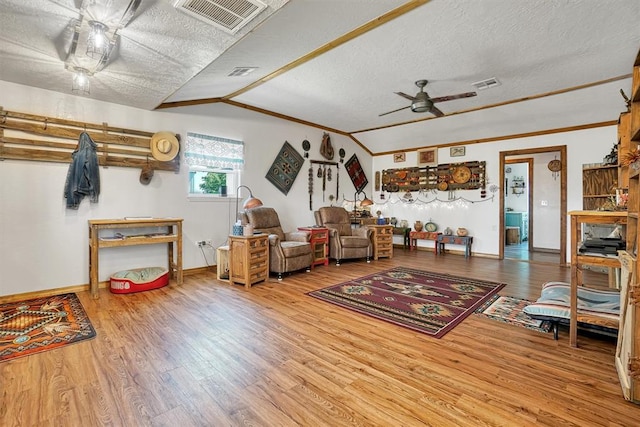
[529,162]
[562,149]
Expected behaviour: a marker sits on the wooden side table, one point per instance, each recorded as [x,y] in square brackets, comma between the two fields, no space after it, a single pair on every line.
[455,240]
[382,241]
[404,231]
[319,244]
[423,235]
[248,259]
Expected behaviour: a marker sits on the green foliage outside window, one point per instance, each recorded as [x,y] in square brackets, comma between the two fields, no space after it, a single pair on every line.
[212,182]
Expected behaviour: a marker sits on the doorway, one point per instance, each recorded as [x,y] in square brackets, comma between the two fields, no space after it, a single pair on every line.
[518,196]
[535,214]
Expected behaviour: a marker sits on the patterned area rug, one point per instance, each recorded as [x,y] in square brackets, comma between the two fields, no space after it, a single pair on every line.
[285,168]
[509,310]
[431,303]
[32,326]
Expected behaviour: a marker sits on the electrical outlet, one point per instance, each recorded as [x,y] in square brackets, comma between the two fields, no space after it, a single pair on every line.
[200,243]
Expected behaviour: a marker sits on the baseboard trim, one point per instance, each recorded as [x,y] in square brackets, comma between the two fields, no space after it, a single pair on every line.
[81,288]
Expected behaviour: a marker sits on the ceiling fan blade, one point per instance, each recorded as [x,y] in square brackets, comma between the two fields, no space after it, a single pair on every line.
[450,97]
[436,112]
[404,95]
[389,112]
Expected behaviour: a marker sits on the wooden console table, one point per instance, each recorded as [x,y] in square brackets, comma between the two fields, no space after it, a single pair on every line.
[422,235]
[172,235]
[454,240]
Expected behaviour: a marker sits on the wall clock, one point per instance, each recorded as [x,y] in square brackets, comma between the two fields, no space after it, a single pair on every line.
[431,226]
[461,174]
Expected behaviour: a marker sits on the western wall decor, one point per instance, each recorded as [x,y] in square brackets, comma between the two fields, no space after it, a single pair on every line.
[25,136]
[285,168]
[325,173]
[443,177]
[399,157]
[428,157]
[326,149]
[354,169]
[457,151]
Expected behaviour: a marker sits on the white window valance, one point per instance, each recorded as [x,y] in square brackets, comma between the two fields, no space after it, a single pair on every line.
[214,152]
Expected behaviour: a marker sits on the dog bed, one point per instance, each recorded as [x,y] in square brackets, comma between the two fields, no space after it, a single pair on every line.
[554,305]
[138,279]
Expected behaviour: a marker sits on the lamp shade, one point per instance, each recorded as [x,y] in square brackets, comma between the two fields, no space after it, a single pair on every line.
[251,202]
[366,201]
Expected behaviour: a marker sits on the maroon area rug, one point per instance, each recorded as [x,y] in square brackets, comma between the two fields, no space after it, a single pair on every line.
[41,324]
[431,303]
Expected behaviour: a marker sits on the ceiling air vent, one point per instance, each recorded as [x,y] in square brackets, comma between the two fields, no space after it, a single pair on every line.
[486,84]
[228,15]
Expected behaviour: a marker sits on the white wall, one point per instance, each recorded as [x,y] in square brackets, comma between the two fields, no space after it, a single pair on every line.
[43,245]
[481,216]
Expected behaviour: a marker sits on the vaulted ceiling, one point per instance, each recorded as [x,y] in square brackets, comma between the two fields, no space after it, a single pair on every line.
[337,64]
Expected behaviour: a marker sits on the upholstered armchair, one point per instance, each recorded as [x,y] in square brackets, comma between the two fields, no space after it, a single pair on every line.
[344,242]
[287,251]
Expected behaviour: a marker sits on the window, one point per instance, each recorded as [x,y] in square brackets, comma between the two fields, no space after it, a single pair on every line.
[214,164]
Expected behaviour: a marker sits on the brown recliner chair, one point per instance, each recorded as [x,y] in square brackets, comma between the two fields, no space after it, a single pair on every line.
[287,251]
[344,242]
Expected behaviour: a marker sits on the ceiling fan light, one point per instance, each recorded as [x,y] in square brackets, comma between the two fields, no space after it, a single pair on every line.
[98,41]
[80,83]
[421,106]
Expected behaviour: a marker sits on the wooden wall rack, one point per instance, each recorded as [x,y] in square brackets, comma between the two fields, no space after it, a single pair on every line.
[433,177]
[48,139]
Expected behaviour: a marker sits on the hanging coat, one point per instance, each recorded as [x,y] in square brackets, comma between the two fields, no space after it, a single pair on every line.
[83,177]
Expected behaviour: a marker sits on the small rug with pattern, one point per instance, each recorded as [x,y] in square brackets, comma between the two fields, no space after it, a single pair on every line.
[36,325]
[509,310]
[431,303]
[285,168]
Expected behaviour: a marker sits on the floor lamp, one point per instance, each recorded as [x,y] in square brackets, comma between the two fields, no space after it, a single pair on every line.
[365,202]
[249,203]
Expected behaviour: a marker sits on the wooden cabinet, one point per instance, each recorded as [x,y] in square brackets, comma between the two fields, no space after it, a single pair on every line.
[599,183]
[382,241]
[319,244]
[627,355]
[171,234]
[248,259]
[578,260]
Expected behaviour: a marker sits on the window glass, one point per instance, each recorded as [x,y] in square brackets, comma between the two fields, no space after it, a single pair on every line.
[214,163]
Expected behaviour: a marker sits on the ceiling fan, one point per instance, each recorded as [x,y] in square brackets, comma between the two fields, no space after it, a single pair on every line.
[422,102]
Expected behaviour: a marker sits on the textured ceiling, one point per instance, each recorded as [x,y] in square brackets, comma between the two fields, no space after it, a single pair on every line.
[337,64]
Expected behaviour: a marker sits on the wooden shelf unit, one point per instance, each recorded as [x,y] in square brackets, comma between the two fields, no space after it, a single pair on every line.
[578,219]
[627,356]
[382,237]
[248,259]
[172,236]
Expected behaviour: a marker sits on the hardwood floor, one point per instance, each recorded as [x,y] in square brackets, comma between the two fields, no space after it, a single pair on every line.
[211,354]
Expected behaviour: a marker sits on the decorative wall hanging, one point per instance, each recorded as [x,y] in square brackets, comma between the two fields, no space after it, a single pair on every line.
[428,157]
[326,149]
[356,173]
[399,157]
[342,153]
[326,175]
[555,166]
[376,181]
[457,151]
[306,146]
[444,177]
[285,168]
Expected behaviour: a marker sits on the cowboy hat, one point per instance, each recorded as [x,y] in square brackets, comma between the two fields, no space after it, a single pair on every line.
[164,146]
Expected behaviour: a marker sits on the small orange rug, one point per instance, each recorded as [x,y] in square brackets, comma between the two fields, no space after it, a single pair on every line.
[41,324]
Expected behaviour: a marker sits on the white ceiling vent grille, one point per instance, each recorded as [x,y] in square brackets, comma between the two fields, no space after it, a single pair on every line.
[486,84]
[228,15]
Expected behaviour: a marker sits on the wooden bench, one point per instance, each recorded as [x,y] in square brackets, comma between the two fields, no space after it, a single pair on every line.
[414,236]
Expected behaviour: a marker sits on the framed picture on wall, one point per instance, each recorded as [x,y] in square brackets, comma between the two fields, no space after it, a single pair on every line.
[457,151]
[428,157]
[399,157]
